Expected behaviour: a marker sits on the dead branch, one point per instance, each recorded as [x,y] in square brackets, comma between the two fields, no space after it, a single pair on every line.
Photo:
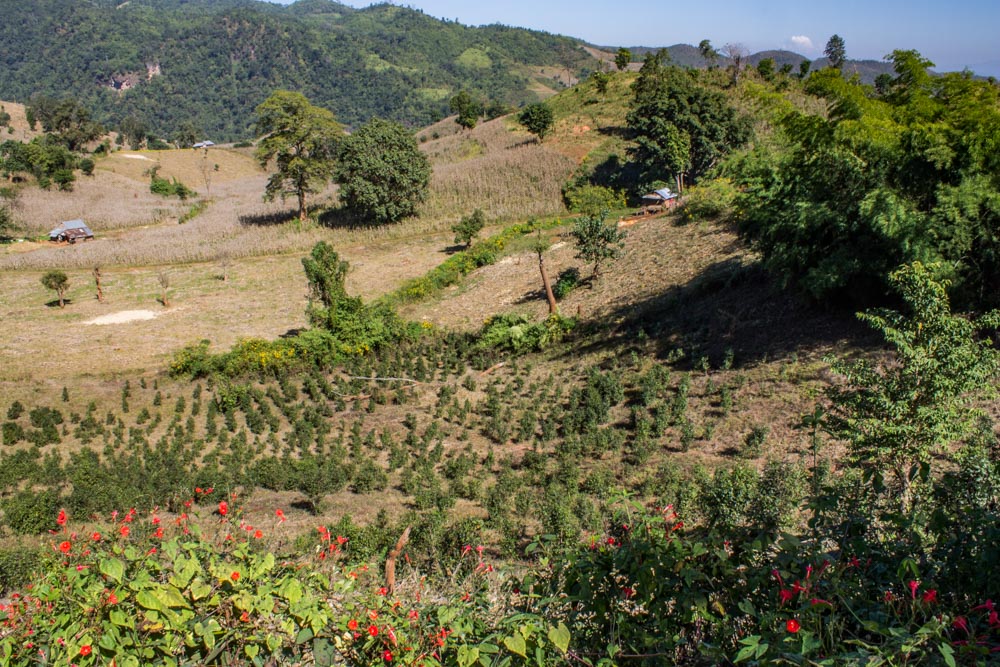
[493,368]
[390,562]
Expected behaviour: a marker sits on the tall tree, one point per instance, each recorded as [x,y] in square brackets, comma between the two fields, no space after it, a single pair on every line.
[622,59]
[737,54]
[835,51]
[383,175]
[301,140]
[708,53]
[468,109]
[678,126]
[538,119]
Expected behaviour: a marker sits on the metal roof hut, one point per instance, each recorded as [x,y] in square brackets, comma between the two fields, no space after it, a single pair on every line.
[664,198]
[71,231]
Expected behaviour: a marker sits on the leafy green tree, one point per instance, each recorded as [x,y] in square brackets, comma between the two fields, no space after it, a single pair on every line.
[68,119]
[601,81]
[896,416]
[765,68]
[325,274]
[6,224]
[622,59]
[469,227]
[538,119]
[134,131]
[383,175]
[836,51]
[804,68]
[58,283]
[468,109]
[597,241]
[708,53]
[301,140]
[593,200]
[678,126]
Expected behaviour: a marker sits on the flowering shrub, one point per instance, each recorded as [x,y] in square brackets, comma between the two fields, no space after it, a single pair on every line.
[151,589]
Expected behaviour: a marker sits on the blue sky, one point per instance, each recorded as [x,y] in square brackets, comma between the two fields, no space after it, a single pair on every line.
[953,35]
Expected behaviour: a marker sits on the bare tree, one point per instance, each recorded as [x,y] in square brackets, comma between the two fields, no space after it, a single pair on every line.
[97,284]
[737,54]
[540,245]
[164,279]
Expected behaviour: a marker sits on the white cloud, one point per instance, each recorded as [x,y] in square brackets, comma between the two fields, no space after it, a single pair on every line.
[801,42]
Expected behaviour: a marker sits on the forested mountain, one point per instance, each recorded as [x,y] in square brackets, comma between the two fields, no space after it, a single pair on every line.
[208,63]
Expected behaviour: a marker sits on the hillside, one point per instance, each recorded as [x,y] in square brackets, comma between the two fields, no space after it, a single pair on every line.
[208,64]
[235,437]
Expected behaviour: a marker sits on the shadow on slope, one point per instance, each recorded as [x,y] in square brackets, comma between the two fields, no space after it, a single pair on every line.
[731,305]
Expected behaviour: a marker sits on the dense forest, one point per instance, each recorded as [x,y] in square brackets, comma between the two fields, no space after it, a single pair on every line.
[208,65]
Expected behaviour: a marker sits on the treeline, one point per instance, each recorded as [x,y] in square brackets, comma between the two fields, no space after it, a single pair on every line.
[170,63]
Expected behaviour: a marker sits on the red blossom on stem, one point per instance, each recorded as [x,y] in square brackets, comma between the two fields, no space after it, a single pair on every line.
[61,519]
[792,625]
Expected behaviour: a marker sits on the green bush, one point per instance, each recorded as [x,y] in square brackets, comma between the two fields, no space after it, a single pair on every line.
[30,512]
[514,332]
[568,280]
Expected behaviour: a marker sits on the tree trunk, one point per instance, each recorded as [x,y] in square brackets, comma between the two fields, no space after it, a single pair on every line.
[302,206]
[553,308]
[97,282]
[62,300]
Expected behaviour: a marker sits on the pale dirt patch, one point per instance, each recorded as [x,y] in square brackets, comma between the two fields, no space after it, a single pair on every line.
[123,317]
[137,157]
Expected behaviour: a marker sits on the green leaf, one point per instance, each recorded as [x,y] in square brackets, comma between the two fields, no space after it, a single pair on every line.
[251,650]
[515,644]
[560,637]
[305,634]
[199,590]
[113,568]
[149,601]
[948,653]
[293,591]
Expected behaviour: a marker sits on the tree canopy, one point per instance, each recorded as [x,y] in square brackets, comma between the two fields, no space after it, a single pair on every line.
[881,181]
[383,175]
[836,51]
[301,140]
[538,119]
[680,127]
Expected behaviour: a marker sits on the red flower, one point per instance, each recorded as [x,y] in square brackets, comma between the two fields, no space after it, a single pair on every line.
[258,534]
[387,655]
[930,596]
[414,614]
[914,585]
[158,534]
[960,624]
[373,630]
[112,598]
[792,625]
[95,536]
[352,624]
[235,576]
[383,590]
[786,595]
[124,530]
[61,519]
[223,507]
[85,649]
[280,514]
[65,547]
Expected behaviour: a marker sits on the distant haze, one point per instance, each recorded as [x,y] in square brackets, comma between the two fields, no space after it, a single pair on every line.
[953,35]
